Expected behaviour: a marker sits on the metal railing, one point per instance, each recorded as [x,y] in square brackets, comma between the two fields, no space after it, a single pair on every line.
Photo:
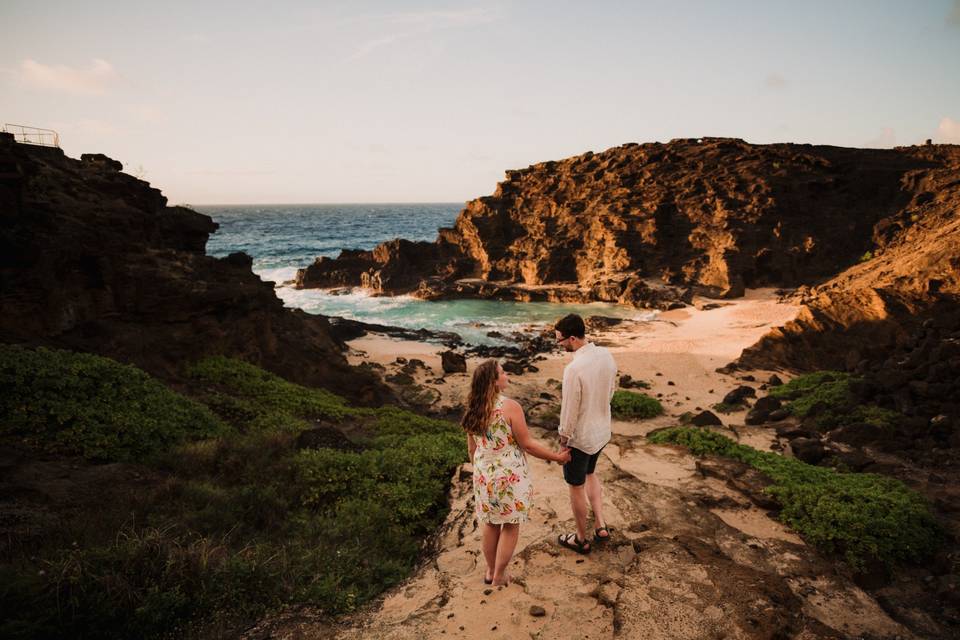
[33,135]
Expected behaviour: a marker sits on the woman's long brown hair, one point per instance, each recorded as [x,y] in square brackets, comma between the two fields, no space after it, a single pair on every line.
[482,399]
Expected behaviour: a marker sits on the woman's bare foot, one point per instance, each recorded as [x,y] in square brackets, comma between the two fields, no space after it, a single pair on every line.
[488,576]
[502,581]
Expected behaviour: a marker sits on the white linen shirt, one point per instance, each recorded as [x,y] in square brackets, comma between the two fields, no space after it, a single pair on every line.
[588,385]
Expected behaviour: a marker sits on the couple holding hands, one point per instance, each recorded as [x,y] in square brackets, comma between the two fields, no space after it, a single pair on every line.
[498,438]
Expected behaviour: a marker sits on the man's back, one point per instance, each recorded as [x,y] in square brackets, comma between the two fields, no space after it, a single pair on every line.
[588,384]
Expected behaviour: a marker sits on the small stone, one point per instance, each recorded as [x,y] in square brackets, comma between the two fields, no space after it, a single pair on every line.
[537,611]
[487,592]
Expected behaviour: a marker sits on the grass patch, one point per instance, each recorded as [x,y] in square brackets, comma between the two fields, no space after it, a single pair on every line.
[80,403]
[724,407]
[629,405]
[245,522]
[827,396]
[861,516]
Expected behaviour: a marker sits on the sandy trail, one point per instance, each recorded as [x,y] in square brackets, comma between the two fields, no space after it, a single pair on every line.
[690,557]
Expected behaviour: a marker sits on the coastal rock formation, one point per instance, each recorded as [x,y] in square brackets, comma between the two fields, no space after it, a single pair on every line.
[712,214]
[894,317]
[93,259]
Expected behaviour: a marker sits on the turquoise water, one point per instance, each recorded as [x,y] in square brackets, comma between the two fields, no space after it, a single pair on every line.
[283,238]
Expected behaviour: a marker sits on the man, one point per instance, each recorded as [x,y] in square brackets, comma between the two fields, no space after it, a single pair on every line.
[589,381]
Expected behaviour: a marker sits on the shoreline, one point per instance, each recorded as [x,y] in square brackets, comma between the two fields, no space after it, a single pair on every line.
[677,352]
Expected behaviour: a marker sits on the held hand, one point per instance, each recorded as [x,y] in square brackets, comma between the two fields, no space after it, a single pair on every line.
[563,457]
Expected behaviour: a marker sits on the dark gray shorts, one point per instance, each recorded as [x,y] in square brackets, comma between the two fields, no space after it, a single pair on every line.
[580,466]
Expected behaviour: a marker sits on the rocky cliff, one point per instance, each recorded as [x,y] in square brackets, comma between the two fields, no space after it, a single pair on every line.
[715,215]
[93,259]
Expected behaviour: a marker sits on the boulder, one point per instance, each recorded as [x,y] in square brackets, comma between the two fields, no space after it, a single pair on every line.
[453,362]
[807,450]
[739,395]
[705,419]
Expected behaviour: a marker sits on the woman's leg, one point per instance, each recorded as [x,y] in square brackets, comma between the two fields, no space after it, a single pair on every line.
[509,534]
[491,536]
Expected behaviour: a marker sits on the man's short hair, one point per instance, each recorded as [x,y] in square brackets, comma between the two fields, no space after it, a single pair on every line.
[571,326]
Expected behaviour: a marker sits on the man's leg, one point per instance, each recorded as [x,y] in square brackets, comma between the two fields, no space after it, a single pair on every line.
[574,472]
[578,502]
[594,490]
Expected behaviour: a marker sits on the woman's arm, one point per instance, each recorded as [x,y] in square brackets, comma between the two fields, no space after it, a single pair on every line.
[518,424]
[471,446]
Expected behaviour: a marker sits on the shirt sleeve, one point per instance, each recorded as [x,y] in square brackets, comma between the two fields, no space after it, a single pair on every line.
[569,404]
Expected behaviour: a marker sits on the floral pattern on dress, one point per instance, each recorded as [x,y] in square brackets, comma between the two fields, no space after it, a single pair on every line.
[501,478]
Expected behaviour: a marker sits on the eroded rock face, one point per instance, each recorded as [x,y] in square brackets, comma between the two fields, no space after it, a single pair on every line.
[92,259]
[716,214]
[893,318]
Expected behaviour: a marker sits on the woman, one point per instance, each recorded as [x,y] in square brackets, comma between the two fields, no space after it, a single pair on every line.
[497,437]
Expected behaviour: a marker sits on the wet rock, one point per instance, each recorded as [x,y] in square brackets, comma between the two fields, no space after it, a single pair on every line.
[775,381]
[537,611]
[777,415]
[453,362]
[627,382]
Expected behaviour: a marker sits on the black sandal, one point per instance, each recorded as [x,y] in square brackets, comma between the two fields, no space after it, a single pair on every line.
[599,538]
[570,541]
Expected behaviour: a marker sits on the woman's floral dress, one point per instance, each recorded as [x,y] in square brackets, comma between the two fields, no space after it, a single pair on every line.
[501,478]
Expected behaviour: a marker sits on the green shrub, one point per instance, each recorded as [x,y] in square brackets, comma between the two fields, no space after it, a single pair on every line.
[90,405]
[241,391]
[866,257]
[244,522]
[723,407]
[627,405]
[859,515]
[828,394]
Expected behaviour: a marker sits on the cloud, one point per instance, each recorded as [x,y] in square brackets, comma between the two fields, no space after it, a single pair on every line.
[886,139]
[953,18]
[92,80]
[774,81]
[948,131]
[412,24]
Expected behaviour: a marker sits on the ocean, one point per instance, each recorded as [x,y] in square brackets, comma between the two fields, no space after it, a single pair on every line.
[283,238]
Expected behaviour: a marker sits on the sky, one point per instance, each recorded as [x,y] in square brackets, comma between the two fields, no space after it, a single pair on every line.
[311,102]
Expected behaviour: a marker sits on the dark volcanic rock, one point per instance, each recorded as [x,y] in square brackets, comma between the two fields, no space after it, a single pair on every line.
[808,450]
[739,395]
[453,362]
[92,259]
[706,418]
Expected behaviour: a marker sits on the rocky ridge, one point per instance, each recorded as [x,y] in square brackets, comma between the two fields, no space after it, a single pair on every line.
[92,259]
[647,224]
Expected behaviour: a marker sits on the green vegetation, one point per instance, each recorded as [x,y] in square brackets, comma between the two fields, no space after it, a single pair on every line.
[866,256]
[80,403]
[723,407]
[826,396]
[628,405]
[861,516]
[244,522]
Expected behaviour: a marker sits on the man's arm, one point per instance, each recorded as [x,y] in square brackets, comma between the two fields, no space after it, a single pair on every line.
[569,406]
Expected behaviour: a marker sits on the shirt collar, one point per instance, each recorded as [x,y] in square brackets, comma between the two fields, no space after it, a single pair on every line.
[581,350]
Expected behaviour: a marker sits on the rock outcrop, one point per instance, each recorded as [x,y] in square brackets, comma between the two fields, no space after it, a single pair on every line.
[93,259]
[715,215]
[895,317]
